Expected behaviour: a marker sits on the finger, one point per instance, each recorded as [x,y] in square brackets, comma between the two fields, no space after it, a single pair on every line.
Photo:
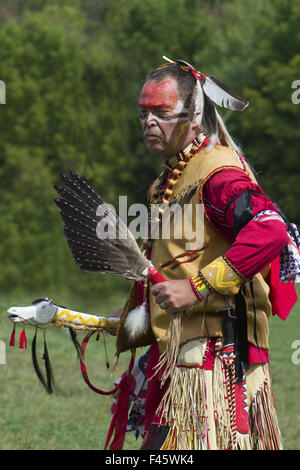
[169,309]
[162,302]
[156,290]
[161,299]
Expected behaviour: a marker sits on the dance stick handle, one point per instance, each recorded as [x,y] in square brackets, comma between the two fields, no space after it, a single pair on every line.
[154,276]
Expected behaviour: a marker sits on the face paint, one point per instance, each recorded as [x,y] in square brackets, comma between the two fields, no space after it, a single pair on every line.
[179,113]
[159,95]
[163,102]
[181,132]
[162,115]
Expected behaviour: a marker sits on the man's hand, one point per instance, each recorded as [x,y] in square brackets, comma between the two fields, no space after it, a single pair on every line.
[174,296]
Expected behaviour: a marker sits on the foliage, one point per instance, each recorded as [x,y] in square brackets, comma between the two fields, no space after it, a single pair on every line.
[272,125]
[73,71]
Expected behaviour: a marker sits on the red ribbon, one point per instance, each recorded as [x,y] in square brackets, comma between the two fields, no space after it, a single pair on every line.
[23,340]
[198,75]
[120,417]
[12,336]
[84,370]
[155,276]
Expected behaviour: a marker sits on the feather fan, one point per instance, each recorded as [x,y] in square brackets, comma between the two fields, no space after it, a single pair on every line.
[99,240]
[82,209]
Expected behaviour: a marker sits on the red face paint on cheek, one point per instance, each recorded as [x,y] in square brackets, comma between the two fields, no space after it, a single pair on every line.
[159,95]
[159,105]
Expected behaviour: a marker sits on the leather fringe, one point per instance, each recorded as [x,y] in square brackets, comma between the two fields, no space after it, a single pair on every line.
[266,434]
[198,412]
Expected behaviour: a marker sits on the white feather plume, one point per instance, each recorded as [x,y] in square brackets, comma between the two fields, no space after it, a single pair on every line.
[137,322]
[223,96]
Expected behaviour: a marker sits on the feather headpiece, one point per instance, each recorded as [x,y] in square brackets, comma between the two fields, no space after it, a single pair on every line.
[217,91]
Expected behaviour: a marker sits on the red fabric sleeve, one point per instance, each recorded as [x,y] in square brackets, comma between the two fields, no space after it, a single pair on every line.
[258,243]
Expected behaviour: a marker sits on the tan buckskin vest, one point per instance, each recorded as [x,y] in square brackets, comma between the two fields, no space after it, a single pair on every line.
[174,261]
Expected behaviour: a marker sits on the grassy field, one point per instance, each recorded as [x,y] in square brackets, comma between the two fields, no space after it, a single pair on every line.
[74,417]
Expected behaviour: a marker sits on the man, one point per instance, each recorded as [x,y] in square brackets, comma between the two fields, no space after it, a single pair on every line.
[204,383]
[207,382]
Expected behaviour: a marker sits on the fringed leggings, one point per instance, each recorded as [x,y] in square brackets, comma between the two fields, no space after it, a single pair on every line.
[206,409]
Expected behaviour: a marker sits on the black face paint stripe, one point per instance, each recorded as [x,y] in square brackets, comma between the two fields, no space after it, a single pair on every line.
[165,118]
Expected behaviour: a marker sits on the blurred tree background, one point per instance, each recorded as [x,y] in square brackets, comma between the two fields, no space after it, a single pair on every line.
[73,71]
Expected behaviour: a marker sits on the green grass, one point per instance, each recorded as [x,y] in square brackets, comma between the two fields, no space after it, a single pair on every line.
[74,417]
[286,375]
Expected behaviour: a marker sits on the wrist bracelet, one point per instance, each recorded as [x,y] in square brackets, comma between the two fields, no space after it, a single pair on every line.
[199,287]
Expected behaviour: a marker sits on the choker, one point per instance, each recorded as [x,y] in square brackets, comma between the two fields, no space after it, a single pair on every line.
[185,154]
[178,164]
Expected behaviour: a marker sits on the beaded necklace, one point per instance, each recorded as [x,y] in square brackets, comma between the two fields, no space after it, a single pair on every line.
[176,166]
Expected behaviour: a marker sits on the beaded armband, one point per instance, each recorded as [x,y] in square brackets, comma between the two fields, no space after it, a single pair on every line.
[222,277]
[199,287]
[227,261]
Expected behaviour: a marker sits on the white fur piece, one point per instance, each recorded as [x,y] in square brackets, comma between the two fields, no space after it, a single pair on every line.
[137,322]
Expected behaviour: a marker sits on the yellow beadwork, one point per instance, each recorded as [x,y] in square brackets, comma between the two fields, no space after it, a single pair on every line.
[220,276]
[67,315]
[176,173]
